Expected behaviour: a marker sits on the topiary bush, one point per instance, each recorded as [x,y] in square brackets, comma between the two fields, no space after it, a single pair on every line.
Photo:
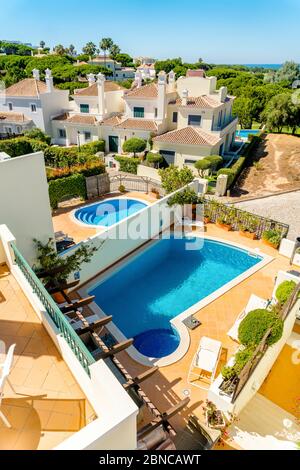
[134,145]
[253,328]
[73,186]
[284,291]
[230,173]
[128,164]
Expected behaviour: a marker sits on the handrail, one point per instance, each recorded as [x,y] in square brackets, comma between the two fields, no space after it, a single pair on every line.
[79,349]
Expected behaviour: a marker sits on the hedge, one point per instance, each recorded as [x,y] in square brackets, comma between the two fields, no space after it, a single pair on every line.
[54,156]
[73,186]
[128,164]
[238,166]
[85,169]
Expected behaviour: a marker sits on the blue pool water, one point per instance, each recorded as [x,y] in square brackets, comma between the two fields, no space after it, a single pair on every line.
[161,282]
[108,212]
[244,133]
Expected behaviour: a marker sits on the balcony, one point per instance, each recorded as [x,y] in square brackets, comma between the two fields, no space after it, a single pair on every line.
[229,122]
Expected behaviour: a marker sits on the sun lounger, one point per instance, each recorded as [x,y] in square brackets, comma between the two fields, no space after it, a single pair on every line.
[254,303]
[206,361]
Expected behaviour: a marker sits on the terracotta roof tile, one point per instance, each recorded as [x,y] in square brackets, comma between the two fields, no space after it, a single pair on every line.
[27,87]
[77,119]
[203,101]
[146,91]
[13,117]
[112,121]
[93,90]
[139,124]
[188,135]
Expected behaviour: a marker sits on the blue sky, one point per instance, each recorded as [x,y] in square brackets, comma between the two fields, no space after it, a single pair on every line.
[219,31]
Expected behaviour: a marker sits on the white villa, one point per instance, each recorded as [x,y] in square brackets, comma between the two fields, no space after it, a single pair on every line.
[31,103]
[187,118]
[119,73]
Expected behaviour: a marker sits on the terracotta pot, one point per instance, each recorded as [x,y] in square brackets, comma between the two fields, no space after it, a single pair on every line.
[246,234]
[206,220]
[266,242]
[226,227]
[59,298]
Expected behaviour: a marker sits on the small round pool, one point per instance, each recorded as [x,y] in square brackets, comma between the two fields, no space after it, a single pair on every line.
[157,343]
[108,212]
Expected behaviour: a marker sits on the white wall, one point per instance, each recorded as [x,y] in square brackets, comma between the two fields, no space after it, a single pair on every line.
[25,206]
[53,104]
[149,172]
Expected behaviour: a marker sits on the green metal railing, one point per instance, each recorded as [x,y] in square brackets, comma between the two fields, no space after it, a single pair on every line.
[81,352]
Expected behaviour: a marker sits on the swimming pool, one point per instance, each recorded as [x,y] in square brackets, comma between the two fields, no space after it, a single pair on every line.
[244,133]
[146,293]
[108,212]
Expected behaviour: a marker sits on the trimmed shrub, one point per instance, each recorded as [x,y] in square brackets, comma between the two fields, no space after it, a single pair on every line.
[16,147]
[228,172]
[284,291]
[94,147]
[155,158]
[73,186]
[128,164]
[134,145]
[173,178]
[37,134]
[85,169]
[187,196]
[253,328]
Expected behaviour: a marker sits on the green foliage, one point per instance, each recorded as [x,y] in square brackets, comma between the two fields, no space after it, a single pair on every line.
[49,260]
[256,324]
[134,145]
[154,159]
[241,358]
[126,83]
[73,186]
[37,134]
[128,164]
[282,112]
[15,49]
[284,291]
[71,86]
[89,50]
[289,72]
[187,196]
[89,168]
[243,108]
[228,172]
[125,60]
[122,189]
[173,178]
[272,236]
[203,165]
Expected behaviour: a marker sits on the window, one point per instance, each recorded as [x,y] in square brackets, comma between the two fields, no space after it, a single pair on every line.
[84,108]
[169,156]
[155,112]
[194,120]
[87,136]
[175,117]
[33,108]
[138,112]
[10,106]
[62,133]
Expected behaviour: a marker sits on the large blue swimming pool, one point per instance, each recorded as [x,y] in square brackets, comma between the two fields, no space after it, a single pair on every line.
[161,282]
[109,212]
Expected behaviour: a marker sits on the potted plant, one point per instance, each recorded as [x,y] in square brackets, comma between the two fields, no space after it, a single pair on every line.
[222,223]
[214,417]
[122,189]
[271,238]
[248,231]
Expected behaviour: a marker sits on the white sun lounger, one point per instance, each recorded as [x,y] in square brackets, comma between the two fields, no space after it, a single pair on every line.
[254,303]
[206,360]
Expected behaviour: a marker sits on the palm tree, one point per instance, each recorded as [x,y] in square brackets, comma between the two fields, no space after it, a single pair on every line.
[90,49]
[71,49]
[105,45]
[113,52]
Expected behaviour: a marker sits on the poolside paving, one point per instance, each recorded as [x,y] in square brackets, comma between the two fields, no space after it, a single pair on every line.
[46,406]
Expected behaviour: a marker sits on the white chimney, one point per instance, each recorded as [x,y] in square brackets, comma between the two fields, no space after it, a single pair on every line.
[101,95]
[138,79]
[185,95]
[49,81]
[91,79]
[172,81]
[223,91]
[162,92]
[36,74]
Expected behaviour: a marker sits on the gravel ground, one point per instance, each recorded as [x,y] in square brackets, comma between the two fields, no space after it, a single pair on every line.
[283,207]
